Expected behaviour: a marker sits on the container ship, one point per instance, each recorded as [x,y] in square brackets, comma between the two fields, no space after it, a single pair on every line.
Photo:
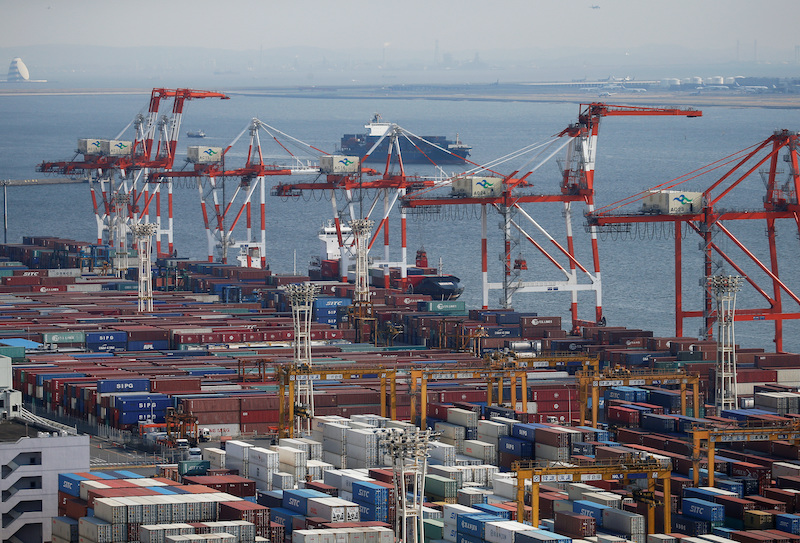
[660,464]
[424,150]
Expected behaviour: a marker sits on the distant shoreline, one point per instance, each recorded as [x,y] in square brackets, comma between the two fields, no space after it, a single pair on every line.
[478,93]
[42,181]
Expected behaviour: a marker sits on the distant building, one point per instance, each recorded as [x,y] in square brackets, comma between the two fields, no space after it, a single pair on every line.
[18,71]
[31,457]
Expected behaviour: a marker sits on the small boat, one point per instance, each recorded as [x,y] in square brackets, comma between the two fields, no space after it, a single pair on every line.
[196,134]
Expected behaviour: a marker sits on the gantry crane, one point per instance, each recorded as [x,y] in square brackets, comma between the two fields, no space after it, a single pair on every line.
[636,464]
[180,425]
[591,384]
[126,194]
[702,213]
[507,193]
[288,375]
[736,433]
[348,181]
[220,214]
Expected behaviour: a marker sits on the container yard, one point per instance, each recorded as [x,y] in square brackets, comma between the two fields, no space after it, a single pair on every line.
[365,409]
[511,460]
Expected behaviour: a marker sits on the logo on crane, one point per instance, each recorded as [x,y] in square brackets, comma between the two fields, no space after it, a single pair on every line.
[345,161]
[683,199]
[485,184]
[210,152]
[120,145]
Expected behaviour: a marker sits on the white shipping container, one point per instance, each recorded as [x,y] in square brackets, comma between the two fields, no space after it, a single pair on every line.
[477,187]
[90,146]
[443,453]
[337,460]
[486,452]
[450,430]
[660,538]
[333,430]
[451,511]
[362,438]
[290,455]
[259,456]
[462,417]
[332,509]
[785,469]
[505,487]
[673,202]
[237,449]
[604,498]
[548,452]
[333,164]
[314,447]
[450,533]
[215,457]
[116,147]
[110,510]
[576,491]
[95,529]
[201,154]
[90,484]
[503,532]
[492,428]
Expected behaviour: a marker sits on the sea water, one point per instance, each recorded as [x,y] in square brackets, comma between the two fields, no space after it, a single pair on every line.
[634,154]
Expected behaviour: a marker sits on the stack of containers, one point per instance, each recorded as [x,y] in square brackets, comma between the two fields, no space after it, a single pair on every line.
[334,444]
[490,431]
[442,453]
[463,417]
[485,452]
[631,525]
[237,456]
[504,531]
[262,465]
[362,448]
[452,434]
[552,444]
[373,499]
[292,461]
[450,515]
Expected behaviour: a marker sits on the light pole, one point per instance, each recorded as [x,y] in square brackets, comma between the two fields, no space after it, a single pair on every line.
[724,289]
[5,184]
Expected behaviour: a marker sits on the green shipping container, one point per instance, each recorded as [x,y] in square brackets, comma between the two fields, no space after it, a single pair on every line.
[441,486]
[64,337]
[444,306]
[434,529]
[193,467]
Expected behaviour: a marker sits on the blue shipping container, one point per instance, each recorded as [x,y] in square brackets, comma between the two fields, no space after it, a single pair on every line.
[702,493]
[524,431]
[493,510]
[70,483]
[284,517]
[107,347]
[703,509]
[297,500]
[371,511]
[331,302]
[157,345]
[788,523]
[367,492]
[590,509]
[475,523]
[690,526]
[107,336]
[464,538]
[515,446]
[123,385]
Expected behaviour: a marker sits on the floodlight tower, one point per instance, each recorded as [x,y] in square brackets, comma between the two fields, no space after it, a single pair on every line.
[362,311]
[301,297]
[724,288]
[144,233]
[120,241]
[408,448]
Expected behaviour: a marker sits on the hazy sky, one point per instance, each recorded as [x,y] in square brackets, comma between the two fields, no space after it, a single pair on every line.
[407,24]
